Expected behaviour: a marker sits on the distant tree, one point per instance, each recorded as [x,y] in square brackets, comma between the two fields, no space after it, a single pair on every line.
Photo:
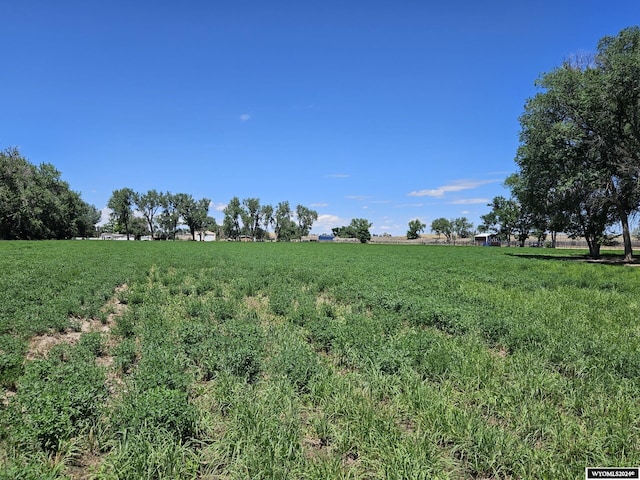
[210,224]
[306,217]
[194,213]
[149,204]
[502,218]
[358,228]
[461,228]
[121,205]
[415,228]
[139,227]
[285,228]
[232,216]
[170,215]
[267,218]
[442,226]
[253,216]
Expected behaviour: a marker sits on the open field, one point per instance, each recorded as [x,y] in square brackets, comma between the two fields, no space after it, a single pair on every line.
[227,360]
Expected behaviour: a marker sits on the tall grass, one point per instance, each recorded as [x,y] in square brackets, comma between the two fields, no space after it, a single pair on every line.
[317,361]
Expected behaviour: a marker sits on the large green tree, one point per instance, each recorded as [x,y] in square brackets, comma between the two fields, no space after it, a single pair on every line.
[194,213]
[149,205]
[284,226]
[121,205]
[305,217]
[415,228]
[232,215]
[580,140]
[35,203]
[442,226]
[267,218]
[358,228]
[170,216]
[252,216]
[461,228]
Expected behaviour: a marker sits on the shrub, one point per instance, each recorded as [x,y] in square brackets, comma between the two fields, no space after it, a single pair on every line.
[58,397]
[93,342]
[158,407]
[11,352]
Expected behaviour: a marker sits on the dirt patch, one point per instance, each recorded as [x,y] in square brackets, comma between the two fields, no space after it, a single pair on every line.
[316,447]
[6,397]
[499,351]
[41,345]
[83,466]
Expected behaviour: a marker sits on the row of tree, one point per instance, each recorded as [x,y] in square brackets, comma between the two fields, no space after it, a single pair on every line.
[251,219]
[579,154]
[35,203]
[160,214]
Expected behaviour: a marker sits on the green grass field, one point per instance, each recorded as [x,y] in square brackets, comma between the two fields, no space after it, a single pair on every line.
[226,360]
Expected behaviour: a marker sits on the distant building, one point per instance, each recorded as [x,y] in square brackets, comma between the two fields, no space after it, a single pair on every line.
[486,240]
[115,236]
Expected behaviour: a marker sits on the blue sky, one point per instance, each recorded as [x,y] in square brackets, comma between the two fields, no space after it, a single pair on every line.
[389,111]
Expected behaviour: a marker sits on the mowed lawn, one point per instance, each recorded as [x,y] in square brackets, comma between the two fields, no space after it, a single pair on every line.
[239,360]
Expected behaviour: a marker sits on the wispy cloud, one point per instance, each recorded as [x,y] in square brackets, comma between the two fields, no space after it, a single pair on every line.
[410,205]
[357,197]
[245,117]
[319,204]
[337,175]
[456,186]
[469,201]
[219,207]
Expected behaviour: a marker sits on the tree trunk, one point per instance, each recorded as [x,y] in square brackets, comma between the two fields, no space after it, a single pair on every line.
[553,239]
[626,236]
[594,247]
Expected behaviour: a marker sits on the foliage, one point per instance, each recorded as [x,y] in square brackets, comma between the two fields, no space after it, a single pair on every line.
[462,227]
[57,398]
[506,218]
[194,213]
[284,226]
[415,228]
[149,205]
[358,228]
[121,205]
[231,222]
[580,141]
[35,203]
[452,229]
[442,226]
[305,217]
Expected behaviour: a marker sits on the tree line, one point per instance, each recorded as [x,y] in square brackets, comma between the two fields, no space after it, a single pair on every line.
[35,203]
[161,213]
[579,154]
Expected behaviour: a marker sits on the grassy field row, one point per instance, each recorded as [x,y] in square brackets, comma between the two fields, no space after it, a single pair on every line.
[193,360]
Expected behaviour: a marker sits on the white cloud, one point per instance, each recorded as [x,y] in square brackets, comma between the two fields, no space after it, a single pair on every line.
[357,197]
[104,216]
[219,207]
[455,186]
[245,116]
[469,201]
[326,222]
[319,204]
[338,175]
